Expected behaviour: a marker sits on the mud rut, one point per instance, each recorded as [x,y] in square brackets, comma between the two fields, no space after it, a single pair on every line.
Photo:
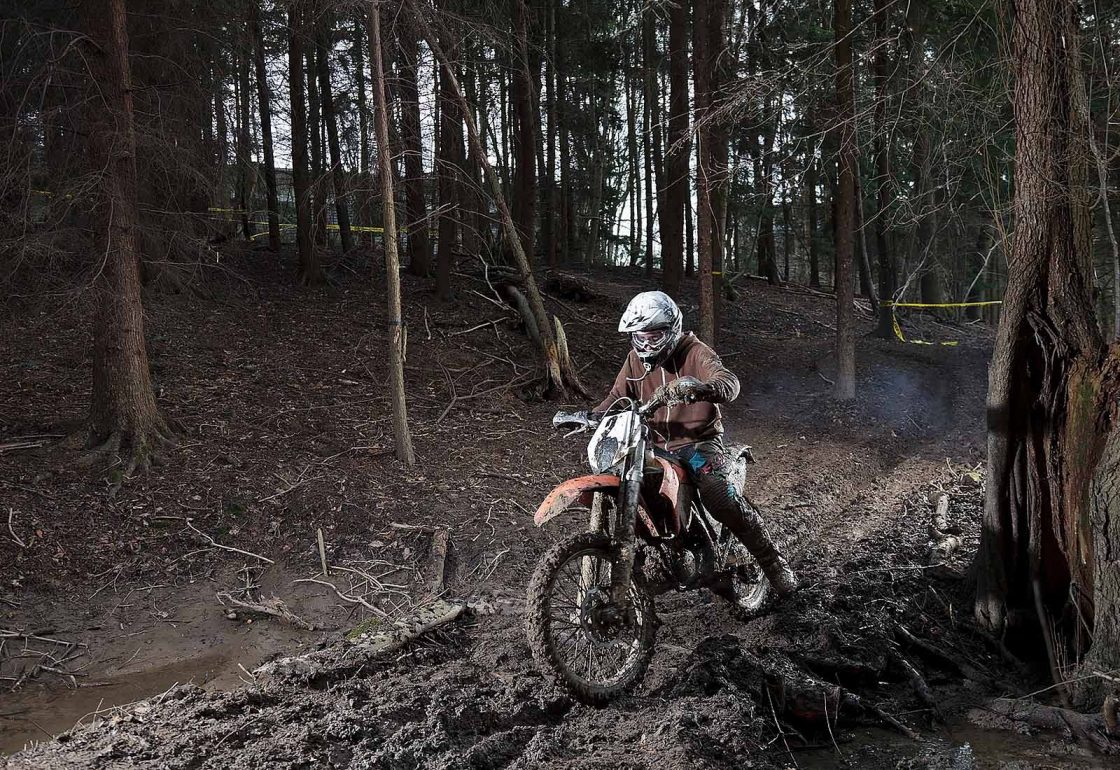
[874,648]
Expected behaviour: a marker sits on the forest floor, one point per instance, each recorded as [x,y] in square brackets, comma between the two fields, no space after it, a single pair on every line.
[109,593]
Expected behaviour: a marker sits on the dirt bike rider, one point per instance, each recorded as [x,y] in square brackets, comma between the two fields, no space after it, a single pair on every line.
[666,363]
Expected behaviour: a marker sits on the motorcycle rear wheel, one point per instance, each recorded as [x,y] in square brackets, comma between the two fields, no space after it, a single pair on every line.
[568,594]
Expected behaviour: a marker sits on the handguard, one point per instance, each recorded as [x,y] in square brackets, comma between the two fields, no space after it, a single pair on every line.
[573,422]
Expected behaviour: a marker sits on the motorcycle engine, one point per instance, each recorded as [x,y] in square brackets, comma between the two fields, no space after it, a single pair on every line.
[664,569]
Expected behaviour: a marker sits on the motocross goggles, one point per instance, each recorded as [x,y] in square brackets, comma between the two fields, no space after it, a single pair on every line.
[650,341]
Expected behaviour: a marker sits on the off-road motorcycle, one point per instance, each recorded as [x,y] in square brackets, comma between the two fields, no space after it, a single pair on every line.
[590,619]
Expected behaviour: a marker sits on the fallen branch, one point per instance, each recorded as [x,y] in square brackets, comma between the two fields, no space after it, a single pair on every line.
[216,544]
[274,607]
[345,597]
[952,662]
[19,542]
[339,661]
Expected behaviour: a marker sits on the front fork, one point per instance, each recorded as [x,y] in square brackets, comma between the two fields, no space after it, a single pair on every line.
[626,519]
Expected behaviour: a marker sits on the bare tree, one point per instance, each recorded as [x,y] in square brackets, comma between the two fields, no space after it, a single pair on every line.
[264,103]
[326,99]
[123,416]
[309,271]
[401,436]
[845,204]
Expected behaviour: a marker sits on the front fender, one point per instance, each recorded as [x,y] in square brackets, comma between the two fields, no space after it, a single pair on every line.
[581,488]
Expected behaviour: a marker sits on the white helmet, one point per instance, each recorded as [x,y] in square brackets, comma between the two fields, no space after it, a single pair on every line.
[654,323]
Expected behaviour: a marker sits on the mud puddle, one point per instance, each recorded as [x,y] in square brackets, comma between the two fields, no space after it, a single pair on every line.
[138,644]
[40,713]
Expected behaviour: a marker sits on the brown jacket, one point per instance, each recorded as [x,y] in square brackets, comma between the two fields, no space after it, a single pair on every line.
[678,426]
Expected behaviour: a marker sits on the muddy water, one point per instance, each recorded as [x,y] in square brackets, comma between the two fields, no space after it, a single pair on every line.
[141,644]
[40,713]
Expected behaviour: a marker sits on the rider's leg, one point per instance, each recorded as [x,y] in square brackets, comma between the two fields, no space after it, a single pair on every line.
[711,469]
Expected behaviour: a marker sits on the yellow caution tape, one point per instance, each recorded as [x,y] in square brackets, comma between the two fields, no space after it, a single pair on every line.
[946,343]
[944,304]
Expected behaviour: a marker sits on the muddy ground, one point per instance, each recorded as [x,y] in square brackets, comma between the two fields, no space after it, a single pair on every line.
[109,592]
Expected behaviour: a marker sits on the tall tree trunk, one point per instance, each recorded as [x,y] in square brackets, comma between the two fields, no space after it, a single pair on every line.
[365,194]
[450,152]
[812,224]
[326,99]
[264,103]
[677,151]
[246,175]
[310,273]
[551,191]
[401,437]
[525,83]
[655,158]
[705,183]
[123,416]
[767,251]
[315,136]
[1047,545]
[845,204]
[561,372]
[419,246]
[882,172]
[633,183]
[221,136]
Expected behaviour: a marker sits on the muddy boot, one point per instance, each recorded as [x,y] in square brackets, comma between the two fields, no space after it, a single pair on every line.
[777,571]
[752,533]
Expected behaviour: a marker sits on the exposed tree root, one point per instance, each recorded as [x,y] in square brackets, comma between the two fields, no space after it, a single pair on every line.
[918,684]
[135,452]
[1089,728]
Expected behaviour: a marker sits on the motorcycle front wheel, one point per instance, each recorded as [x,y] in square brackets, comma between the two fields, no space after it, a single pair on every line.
[577,637]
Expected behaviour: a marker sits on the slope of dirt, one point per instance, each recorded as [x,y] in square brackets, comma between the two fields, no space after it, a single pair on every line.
[279,397]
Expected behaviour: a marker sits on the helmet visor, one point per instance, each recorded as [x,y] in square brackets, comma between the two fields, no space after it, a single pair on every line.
[649,341]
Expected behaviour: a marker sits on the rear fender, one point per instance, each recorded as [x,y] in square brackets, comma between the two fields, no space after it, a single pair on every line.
[579,489]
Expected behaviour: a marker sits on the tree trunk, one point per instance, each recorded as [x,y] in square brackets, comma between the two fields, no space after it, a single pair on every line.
[310,274]
[561,372]
[880,74]
[525,83]
[845,204]
[246,176]
[419,247]
[1051,393]
[315,134]
[655,158]
[812,225]
[677,193]
[264,103]
[450,152]
[551,191]
[705,214]
[123,416]
[401,437]
[364,195]
[326,100]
